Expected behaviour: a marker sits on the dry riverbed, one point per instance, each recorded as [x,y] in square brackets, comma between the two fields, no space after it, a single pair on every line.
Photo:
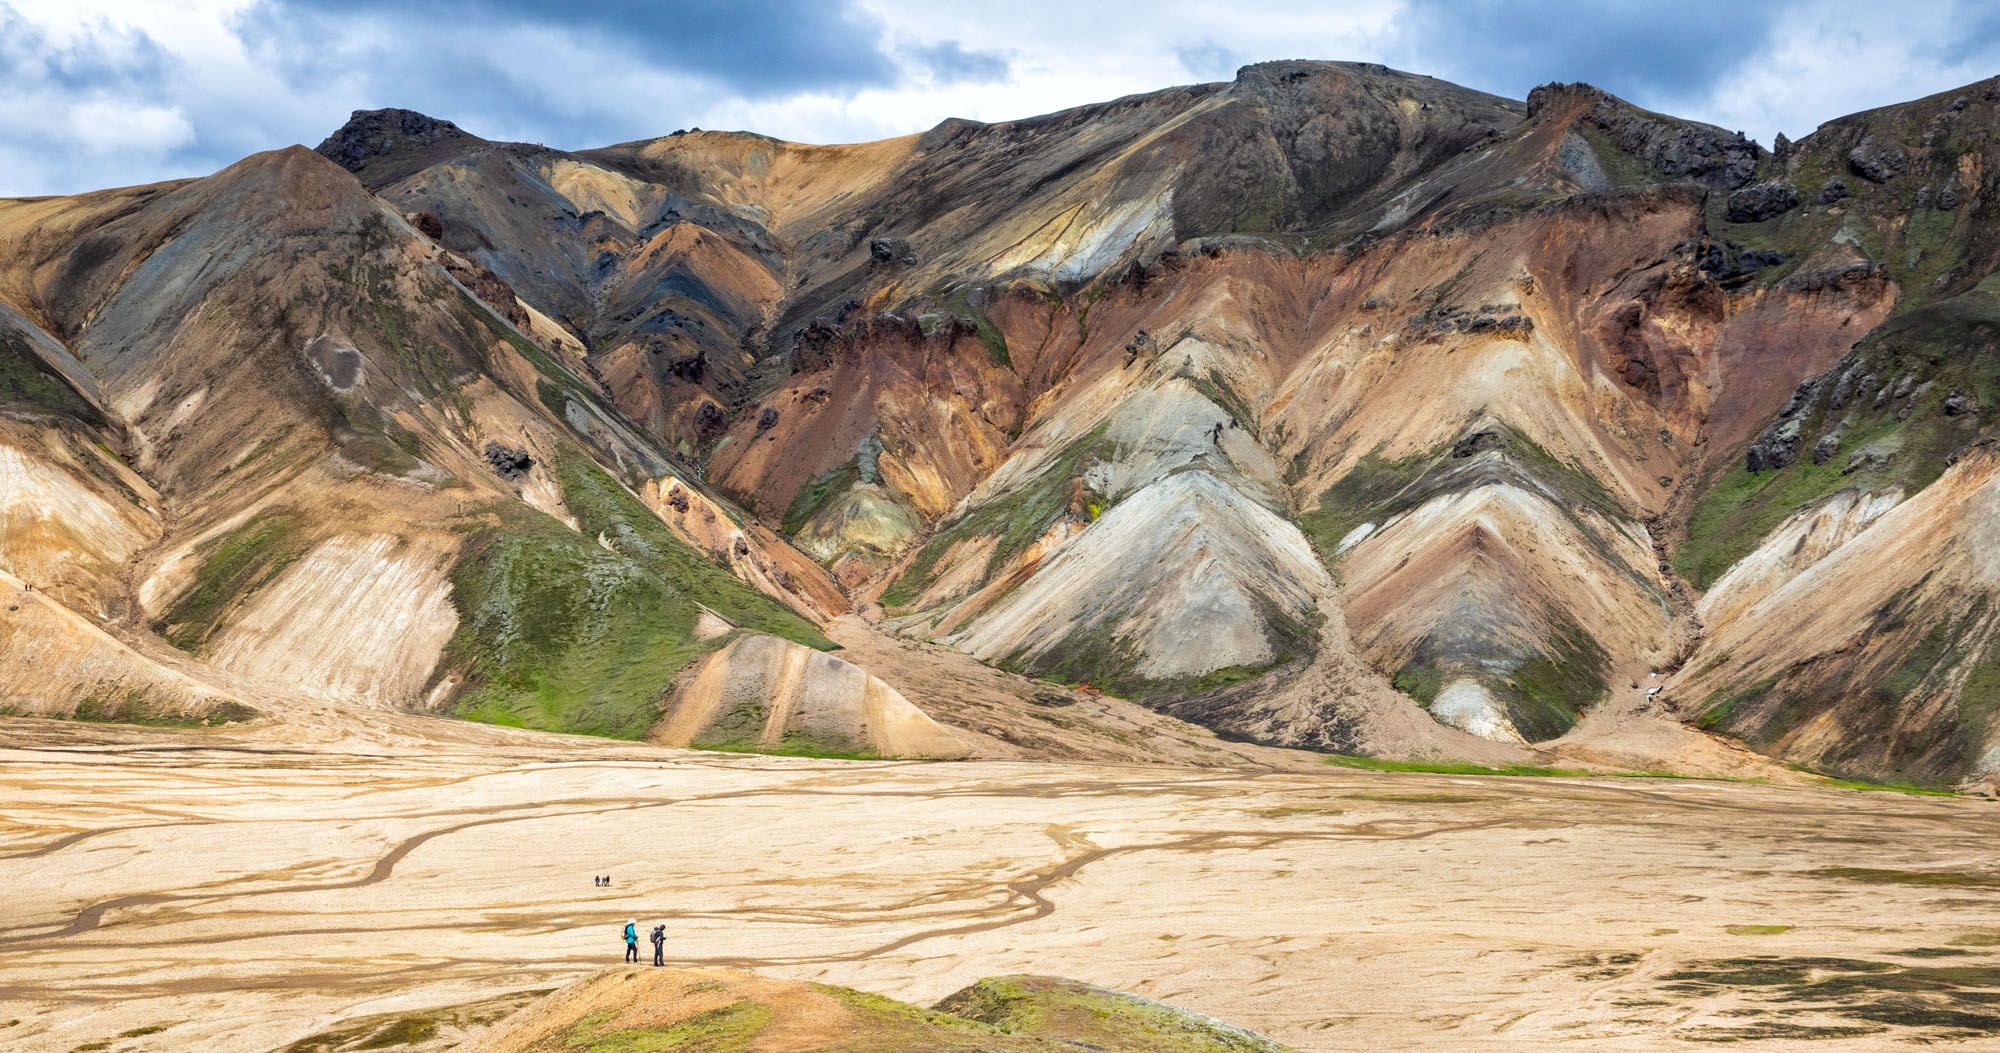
[170,890]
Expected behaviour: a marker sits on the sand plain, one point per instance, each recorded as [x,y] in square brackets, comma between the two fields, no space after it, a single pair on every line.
[244,889]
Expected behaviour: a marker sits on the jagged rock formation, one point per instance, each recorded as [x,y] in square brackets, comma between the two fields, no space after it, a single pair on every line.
[1332,405]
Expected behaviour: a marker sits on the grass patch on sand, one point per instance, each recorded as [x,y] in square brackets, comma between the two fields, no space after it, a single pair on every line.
[729,1029]
[1910,789]
[1067,1014]
[1914,878]
[1455,768]
[1530,771]
[1756,930]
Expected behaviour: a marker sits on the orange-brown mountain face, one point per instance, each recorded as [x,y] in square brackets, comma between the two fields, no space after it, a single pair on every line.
[1332,407]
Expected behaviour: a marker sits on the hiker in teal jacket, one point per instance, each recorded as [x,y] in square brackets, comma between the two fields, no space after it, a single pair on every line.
[632,940]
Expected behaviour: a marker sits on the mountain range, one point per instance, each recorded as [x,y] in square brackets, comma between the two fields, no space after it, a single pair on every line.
[1332,407]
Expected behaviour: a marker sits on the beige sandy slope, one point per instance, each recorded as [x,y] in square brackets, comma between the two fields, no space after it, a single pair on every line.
[65,525]
[55,662]
[1003,716]
[765,693]
[239,890]
[382,604]
[1880,590]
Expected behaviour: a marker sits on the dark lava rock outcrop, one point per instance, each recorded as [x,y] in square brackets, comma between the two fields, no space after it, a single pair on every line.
[1877,162]
[1761,201]
[508,462]
[382,146]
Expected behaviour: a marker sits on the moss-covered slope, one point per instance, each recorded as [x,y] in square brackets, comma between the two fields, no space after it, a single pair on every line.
[585,630]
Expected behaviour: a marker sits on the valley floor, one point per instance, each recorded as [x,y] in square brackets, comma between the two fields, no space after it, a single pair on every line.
[241,890]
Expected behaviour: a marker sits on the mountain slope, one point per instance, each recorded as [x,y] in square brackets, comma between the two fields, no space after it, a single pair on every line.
[337,454]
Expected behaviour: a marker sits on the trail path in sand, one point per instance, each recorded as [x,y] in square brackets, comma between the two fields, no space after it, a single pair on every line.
[244,889]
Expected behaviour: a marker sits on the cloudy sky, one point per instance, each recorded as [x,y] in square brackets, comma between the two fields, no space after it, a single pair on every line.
[105,92]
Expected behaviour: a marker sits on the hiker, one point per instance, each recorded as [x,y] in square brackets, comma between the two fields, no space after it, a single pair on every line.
[660,944]
[632,940]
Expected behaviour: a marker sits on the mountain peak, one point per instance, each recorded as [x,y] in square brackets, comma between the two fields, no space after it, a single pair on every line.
[382,146]
[1676,148]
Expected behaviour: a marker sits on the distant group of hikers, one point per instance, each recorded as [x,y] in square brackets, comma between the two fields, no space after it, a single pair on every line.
[659,938]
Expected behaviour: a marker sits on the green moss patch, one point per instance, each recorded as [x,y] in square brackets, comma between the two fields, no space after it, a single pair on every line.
[730,1029]
[26,383]
[1017,518]
[1419,679]
[1913,878]
[1079,1015]
[1545,694]
[1447,767]
[230,568]
[813,497]
[558,632]
[1717,710]
[126,707]
[1453,767]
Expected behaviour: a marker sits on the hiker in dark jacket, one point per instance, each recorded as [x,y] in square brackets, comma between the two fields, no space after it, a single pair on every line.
[632,940]
[659,944]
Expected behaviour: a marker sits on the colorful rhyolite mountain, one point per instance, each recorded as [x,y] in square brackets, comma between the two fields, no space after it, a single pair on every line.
[1332,407]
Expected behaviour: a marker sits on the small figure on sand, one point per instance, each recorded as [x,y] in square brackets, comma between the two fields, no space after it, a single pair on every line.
[632,940]
[660,944]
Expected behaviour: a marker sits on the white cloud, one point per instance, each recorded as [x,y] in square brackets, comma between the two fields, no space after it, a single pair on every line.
[97,92]
[108,126]
[1830,62]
